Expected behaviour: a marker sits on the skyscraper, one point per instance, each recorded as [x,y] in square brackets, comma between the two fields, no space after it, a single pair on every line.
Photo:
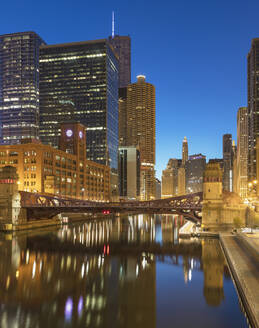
[122,116]
[195,167]
[129,172]
[122,46]
[167,186]
[181,190]
[170,178]
[228,162]
[252,106]
[141,131]
[184,151]
[19,86]
[242,151]
[79,82]
[182,170]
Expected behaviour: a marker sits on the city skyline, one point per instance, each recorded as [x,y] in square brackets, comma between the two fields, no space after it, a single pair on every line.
[212,85]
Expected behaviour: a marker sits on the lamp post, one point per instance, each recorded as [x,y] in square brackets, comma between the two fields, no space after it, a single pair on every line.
[83,192]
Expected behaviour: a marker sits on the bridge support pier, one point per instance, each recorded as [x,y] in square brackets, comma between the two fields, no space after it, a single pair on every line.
[10,200]
[217,214]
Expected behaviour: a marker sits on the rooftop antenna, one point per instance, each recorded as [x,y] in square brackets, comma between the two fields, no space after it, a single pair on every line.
[113,24]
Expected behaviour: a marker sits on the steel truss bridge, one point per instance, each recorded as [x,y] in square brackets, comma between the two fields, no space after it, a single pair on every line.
[41,206]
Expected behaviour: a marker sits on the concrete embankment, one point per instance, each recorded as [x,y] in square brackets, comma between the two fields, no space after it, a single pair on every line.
[189,229]
[244,265]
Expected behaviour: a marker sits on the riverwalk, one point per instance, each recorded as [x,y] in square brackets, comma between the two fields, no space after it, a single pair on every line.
[242,253]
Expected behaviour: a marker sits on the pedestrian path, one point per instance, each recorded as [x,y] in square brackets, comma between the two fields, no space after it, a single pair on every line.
[244,266]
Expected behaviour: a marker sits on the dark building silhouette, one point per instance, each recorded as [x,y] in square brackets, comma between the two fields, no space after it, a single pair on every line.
[227,162]
[19,86]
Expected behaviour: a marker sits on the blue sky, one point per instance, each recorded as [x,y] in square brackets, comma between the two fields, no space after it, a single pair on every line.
[194,52]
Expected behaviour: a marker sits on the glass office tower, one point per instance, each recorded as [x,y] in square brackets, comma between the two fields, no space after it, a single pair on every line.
[19,86]
[122,46]
[79,82]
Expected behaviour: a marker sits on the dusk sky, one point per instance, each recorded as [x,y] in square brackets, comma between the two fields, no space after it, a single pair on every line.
[194,52]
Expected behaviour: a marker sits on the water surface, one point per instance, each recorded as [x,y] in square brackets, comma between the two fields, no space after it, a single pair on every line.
[127,271]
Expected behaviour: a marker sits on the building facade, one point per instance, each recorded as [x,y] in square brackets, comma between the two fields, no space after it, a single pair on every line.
[167,186]
[242,151]
[62,172]
[122,46]
[228,162]
[217,161]
[252,106]
[123,117]
[129,172]
[140,104]
[79,81]
[184,151]
[195,167]
[181,190]
[170,178]
[19,87]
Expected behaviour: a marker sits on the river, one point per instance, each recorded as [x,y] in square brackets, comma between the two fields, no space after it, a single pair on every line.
[124,271]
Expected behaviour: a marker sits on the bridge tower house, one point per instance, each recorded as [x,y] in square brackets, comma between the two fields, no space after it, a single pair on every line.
[10,205]
[212,197]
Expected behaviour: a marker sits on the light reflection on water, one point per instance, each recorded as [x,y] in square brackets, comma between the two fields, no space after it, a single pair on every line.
[129,271]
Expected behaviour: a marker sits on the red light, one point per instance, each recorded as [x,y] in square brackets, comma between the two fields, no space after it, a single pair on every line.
[104,249]
[108,249]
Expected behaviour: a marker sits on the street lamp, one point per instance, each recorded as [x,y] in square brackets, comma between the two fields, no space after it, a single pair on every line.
[82,192]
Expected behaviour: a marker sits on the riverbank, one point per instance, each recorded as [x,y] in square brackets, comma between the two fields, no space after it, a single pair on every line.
[242,255]
[37,224]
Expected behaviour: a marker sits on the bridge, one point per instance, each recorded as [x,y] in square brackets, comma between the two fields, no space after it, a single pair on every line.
[40,206]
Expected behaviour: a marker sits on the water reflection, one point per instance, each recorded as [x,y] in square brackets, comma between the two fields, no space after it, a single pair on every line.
[101,273]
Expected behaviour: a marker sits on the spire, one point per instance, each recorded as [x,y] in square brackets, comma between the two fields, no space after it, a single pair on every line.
[113,21]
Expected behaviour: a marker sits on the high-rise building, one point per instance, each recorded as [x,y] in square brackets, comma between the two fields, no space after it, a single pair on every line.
[79,81]
[242,151]
[129,172]
[252,106]
[170,178]
[184,151]
[122,46]
[228,162]
[141,131]
[19,86]
[195,167]
[167,186]
[181,190]
[122,116]
[234,167]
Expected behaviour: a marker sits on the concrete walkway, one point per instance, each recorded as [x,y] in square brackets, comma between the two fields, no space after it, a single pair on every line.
[186,229]
[244,264]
